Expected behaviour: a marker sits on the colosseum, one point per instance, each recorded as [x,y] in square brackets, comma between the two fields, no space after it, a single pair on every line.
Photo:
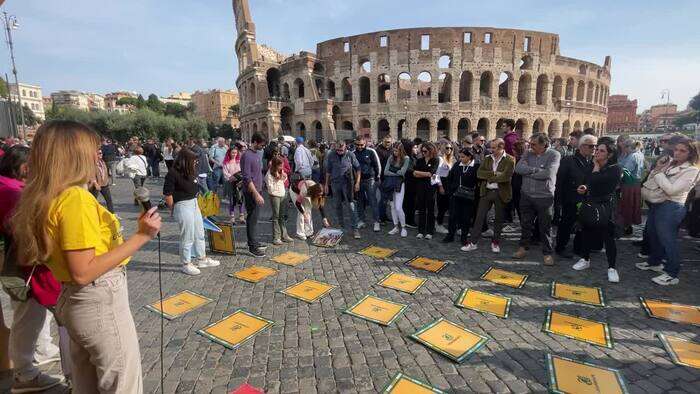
[417,82]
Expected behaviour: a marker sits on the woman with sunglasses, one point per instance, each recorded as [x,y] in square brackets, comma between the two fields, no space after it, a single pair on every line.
[424,174]
[447,160]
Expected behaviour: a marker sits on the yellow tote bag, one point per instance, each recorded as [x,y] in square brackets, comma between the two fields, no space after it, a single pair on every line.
[209,204]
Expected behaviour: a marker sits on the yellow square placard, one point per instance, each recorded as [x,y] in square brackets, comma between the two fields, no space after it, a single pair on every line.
[376,310]
[449,339]
[308,290]
[236,328]
[378,252]
[678,313]
[222,242]
[570,376]
[424,263]
[402,384]
[503,277]
[582,294]
[578,328]
[402,282]
[291,258]
[682,351]
[484,302]
[178,304]
[253,274]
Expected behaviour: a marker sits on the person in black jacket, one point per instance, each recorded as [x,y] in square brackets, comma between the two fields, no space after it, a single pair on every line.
[462,176]
[599,189]
[423,172]
[572,173]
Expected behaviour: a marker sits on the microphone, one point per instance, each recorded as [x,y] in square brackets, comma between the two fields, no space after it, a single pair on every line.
[143,196]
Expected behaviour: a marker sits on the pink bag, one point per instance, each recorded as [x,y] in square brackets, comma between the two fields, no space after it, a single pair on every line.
[45,289]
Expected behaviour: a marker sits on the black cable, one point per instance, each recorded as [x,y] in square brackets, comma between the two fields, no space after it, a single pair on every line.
[162,319]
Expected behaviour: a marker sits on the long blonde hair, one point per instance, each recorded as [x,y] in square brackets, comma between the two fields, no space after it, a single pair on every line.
[62,155]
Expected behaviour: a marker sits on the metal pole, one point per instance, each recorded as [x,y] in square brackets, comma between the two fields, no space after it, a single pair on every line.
[8,31]
[10,111]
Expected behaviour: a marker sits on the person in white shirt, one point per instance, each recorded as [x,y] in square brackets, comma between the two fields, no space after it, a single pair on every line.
[447,160]
[136,167]
[303,159]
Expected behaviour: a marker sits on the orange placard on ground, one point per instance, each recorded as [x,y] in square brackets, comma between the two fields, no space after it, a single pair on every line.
[424,263]
[236,328]
[570,376]
[378,252]
[506,278]
[484,302]
[178,304]
[578,328]
[402,384]
[308,290]
[402,282]
[253,274]
[376,310]
[449,339]
[222,242]
[291,258]
[678,313]
[682,351]
[582,294]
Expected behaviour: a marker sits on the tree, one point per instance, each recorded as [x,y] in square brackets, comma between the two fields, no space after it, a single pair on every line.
[695,102]
[132,101]
[4,88]
[177,110]
[29,118]
[154,104]
[234,110]
[140,102]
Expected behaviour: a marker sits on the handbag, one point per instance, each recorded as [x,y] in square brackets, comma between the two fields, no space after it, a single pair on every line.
[464,192]
[594,214]
[652,192]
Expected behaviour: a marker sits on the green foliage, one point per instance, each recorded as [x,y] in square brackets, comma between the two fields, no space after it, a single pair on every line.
[133,101]
[29,118]
[142,123]
[235,109]
[154,104]
[176,110]
[4,89]
[691,117]
[695,102]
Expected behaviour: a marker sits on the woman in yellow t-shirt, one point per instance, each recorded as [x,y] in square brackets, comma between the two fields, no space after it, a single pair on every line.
[58,221]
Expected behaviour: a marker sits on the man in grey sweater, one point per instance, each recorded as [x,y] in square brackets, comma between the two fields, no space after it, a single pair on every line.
[538,167]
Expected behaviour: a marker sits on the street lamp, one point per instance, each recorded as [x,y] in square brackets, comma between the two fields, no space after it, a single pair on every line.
[11,23]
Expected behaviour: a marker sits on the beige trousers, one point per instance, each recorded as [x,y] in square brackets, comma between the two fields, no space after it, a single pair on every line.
[104,346]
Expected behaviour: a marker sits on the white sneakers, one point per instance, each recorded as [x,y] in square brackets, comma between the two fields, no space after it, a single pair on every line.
[468,247]
[645,266]
[613,276]
[394,230]
[487,233]
[665,280]
[377,227]
[582,264]
[404,233]
[440,229]
[361,224]
[192,269]
[495,248]
[419,236]
[40,383]
[428,236]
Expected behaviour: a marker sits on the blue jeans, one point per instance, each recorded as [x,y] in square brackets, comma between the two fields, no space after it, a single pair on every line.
[368,196]
[343,195]
[189,218]
[202,184]
[215,178]
[662,225]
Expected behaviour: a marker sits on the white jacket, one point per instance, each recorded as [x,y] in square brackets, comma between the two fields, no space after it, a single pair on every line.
[677,182]
[136,165]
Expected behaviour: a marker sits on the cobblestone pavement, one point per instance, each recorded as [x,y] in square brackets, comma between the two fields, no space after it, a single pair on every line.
[315,348]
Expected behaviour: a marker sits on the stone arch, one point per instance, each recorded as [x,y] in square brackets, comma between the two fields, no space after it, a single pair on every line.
[365,66]
[499,124]
[320,85]
[483,125]
[318,128]
[485,84]
[404,86]
[445,92]
[586,125]
[580,91]
[286,114]
[425,81]
[582,69]
[463,128]
[423,129]
[330,89]
[524,88]
[318,68]
[401,131]
[301,129]
[505,81]
[255,127]
[347,89]
[465,86]
[557,88]
[383,88]
[553,130]
[445,61]
[285,91]
[335,115]
[522,126]
[264,129]
[589,92]
[541,89]
[347,125]
[569,89]
[273,82]
[252,93]
[364,86]
[526,62]
[577,125]
[383,129]
[298,88]
[566,127]
[596,94]
[365,127]
[538,126]
[443,127]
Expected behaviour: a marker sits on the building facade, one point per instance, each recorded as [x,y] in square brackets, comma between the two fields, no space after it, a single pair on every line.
[214,106]
[423,82]
[31,97]
[70,98]
[622,114]
[182,98]
[96,102]
[112,98]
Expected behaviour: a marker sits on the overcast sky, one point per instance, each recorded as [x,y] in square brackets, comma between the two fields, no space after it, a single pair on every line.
[167,46]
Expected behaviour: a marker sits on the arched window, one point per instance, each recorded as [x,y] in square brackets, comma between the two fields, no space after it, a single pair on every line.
[299,88]
[483,125]
[347,89]
[504,84]
[541,89]
[330,89]
[566,128]
[589,93]
[553,129]
[463,128]
[577,125]
[401,131]
[318,68]
[364,90]
[443,127]
[445,61]
[404,88]
[465,86]
[365,127]
[557,88]
[301,129]
[445,92]
[319,87]
[286,119]
[580,91]
[424,84]
[524,88]
[273,82]
[383,88]
[423,129]
[569,89]
[252,94]
[538,126]
[382,129]
[365,66]
[596,94]
[485,84]
[285,91]
[526,62]
[348,126]
[521,125]
[336,116]
[318,128]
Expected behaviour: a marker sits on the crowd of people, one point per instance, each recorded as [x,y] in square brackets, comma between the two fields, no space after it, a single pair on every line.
[571,197]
